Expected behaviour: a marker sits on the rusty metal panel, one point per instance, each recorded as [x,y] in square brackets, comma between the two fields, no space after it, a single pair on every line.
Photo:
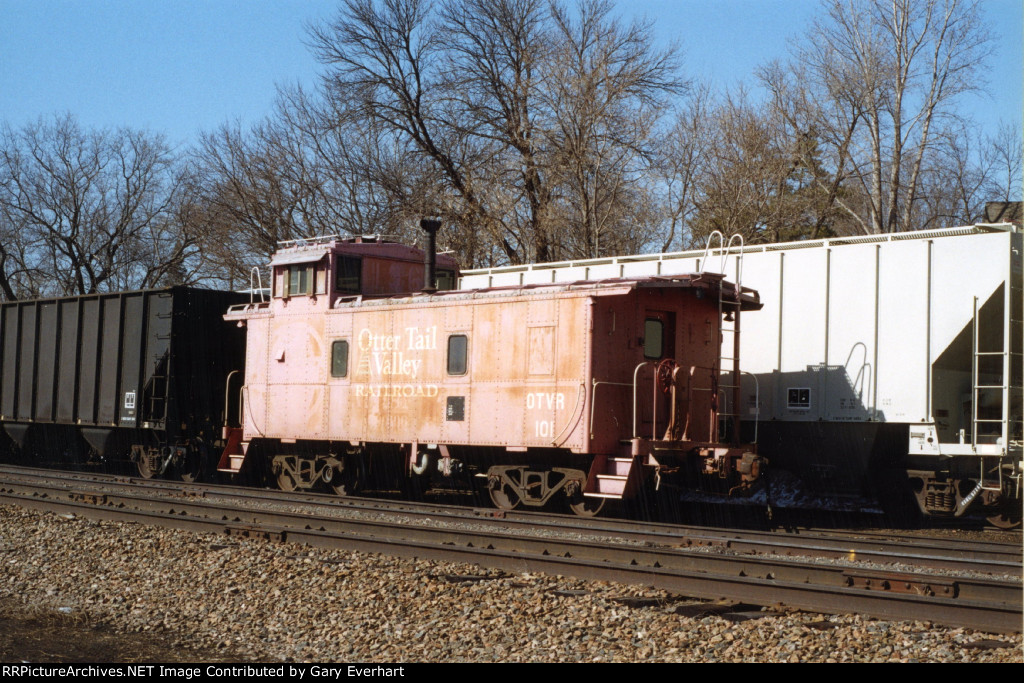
[399,388]
[532,358]
[296,410]
[254,392]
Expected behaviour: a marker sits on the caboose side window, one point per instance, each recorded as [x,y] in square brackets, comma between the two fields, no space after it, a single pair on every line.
[339,358]
[458,345]
[299,280]
[653,338]
[348,275]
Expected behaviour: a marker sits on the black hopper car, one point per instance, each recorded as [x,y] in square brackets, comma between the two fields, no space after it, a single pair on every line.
[102,378]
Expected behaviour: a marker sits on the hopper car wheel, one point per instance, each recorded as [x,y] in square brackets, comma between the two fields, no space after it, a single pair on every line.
[587,507]
[1008,517]
[191,468]
[147,465]
[505,497]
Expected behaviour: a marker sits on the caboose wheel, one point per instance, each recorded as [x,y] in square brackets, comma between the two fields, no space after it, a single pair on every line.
[285,481]
[342,488]
[344,483]
[347,476]
[505,497]
[586,506]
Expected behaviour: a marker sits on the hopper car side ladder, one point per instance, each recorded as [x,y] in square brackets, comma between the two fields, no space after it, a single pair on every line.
[1008,441]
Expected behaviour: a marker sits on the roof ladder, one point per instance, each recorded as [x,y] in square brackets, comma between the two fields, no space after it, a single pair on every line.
[729,312]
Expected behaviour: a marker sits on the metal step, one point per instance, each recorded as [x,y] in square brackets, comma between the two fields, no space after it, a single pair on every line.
[610,477]
[234,452]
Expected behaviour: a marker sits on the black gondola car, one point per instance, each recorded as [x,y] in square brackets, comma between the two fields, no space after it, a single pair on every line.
[133,375]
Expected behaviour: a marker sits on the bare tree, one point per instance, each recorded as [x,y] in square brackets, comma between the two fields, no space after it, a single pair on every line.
[608,90]
[968,170]
[1006,159]
[535,122]
[874,80]
[755,180]
[90,210]
[682,161]
[386,62]
[245,194]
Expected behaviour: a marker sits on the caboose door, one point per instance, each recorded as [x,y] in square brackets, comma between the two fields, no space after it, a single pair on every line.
[659,343]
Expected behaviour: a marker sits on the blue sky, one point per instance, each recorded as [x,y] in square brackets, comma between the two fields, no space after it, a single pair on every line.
[182,66]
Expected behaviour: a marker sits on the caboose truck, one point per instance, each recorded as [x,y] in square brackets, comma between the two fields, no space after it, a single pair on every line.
[569,392]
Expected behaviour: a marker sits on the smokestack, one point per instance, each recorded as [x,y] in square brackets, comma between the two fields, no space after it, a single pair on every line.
[430,226]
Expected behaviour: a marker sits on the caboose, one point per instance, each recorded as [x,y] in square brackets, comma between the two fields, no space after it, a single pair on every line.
[573,391]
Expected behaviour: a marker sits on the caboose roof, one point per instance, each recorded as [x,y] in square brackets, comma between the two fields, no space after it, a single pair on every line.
[293,256]
[313,250]
[711,283]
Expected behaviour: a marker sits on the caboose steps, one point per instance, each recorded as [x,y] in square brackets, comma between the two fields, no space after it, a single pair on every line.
[612,478]
[234,452]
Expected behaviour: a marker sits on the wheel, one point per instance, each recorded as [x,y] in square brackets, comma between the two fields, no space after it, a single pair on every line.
[147,464]
[191,467]
[587,506]
[664,372]
[1007,517]
[505,497]
[348,478]
[343,483]
[285,480]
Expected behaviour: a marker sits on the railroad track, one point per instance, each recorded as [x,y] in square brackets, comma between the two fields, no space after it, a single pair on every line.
[945,581]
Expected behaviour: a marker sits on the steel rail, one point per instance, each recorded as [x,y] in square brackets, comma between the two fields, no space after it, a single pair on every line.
[983,604]
[853,546]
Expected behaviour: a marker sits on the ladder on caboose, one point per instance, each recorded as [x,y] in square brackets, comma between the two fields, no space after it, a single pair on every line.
[728,312]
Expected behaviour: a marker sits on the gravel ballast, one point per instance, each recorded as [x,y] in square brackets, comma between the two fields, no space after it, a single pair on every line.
[284,602]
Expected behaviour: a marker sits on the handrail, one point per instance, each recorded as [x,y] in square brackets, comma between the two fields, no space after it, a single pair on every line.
[227,395]
[757,403]
[861,379]
[726,249]
[259,284]
[739,260]
[636,371]
[307,241]
[707,248]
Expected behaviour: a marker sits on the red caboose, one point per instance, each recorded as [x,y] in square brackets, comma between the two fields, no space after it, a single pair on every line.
[565,390]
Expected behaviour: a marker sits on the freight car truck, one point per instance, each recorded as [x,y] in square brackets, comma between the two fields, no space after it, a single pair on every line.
[131,375]
[873,356]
